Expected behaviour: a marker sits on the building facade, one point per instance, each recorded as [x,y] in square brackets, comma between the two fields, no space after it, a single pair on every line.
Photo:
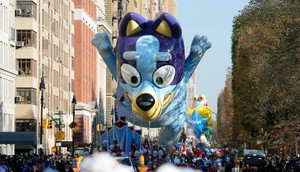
[8,71]
[151,9]
[114,11]
[102,26]
[86,68]
[44,49]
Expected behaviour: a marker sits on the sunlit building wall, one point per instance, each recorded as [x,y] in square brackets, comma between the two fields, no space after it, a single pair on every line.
[151,9]
[114,11]
[7,71]
[44,47]
[102,26]
[86,68]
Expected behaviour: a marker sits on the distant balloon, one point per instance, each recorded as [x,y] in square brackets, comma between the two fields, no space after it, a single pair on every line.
[204,111]
[197,122]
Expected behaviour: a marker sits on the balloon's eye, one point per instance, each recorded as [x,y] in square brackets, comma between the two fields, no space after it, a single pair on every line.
[164,76]
[130,75]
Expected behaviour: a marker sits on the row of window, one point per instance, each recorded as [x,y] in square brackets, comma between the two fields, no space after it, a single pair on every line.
[29,96]
[26,38]
[27,67]
[25,125]
[26,9]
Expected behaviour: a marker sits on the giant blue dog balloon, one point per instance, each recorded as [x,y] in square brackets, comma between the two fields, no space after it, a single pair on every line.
[151,70]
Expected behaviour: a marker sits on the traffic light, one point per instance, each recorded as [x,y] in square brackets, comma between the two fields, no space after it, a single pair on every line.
[45,123]
[49,126]
[99,127]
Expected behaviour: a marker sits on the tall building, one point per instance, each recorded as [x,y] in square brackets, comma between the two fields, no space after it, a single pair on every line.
[114,11]
[191,89]
[86,68]
[151,9]
[7,71]
[44,49]
[102,26]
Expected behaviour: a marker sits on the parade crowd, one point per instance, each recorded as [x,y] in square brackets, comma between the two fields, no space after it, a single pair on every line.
[184,154]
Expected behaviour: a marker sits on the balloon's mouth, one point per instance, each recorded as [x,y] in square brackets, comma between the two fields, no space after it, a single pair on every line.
[168,98]
[147,106]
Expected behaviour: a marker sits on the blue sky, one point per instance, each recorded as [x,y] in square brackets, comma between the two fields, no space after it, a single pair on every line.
[211,18]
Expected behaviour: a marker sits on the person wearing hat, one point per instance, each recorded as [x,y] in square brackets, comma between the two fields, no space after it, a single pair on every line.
[78,160]
[142,167]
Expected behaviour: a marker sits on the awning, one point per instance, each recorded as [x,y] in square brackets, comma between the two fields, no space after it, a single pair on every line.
[25,138]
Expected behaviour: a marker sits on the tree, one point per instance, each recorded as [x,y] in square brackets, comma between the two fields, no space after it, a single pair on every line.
[266,70]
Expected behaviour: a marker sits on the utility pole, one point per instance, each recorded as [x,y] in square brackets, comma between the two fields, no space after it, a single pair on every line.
[297,137]
[42,88]
[74,102]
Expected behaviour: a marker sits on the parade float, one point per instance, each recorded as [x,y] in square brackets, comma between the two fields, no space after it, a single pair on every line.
[152,72]
[120,138]
[200,121]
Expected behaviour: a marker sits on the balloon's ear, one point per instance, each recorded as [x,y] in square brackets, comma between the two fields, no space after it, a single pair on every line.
[167,25]
[131,24]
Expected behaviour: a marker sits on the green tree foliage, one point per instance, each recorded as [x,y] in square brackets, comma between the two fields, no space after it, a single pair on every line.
[221,119]
[266,70]
[225,119]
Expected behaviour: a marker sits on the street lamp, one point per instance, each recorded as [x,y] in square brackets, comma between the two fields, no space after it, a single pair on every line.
[42,88]
[94,145]
[74,102]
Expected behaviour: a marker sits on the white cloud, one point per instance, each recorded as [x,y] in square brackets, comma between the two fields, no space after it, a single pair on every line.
[102,162]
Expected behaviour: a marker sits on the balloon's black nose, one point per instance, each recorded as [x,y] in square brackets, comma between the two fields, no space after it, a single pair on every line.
[145,101]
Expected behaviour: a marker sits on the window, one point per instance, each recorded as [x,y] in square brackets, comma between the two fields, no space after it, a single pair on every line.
[72,17]
[55,81]
[12,34]
[26,9]
[135,3]
[26,67]
[72,85]
[45,46]
[1,13]
[72,58]
[72,40]
[66,83]
[27,125]
[1,54]
[28,95]
[26,38]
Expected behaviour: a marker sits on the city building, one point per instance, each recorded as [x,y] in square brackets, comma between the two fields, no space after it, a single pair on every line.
[8,72]
[114,11]
[45,66]
[86,70]
[100,118]
[151,9]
